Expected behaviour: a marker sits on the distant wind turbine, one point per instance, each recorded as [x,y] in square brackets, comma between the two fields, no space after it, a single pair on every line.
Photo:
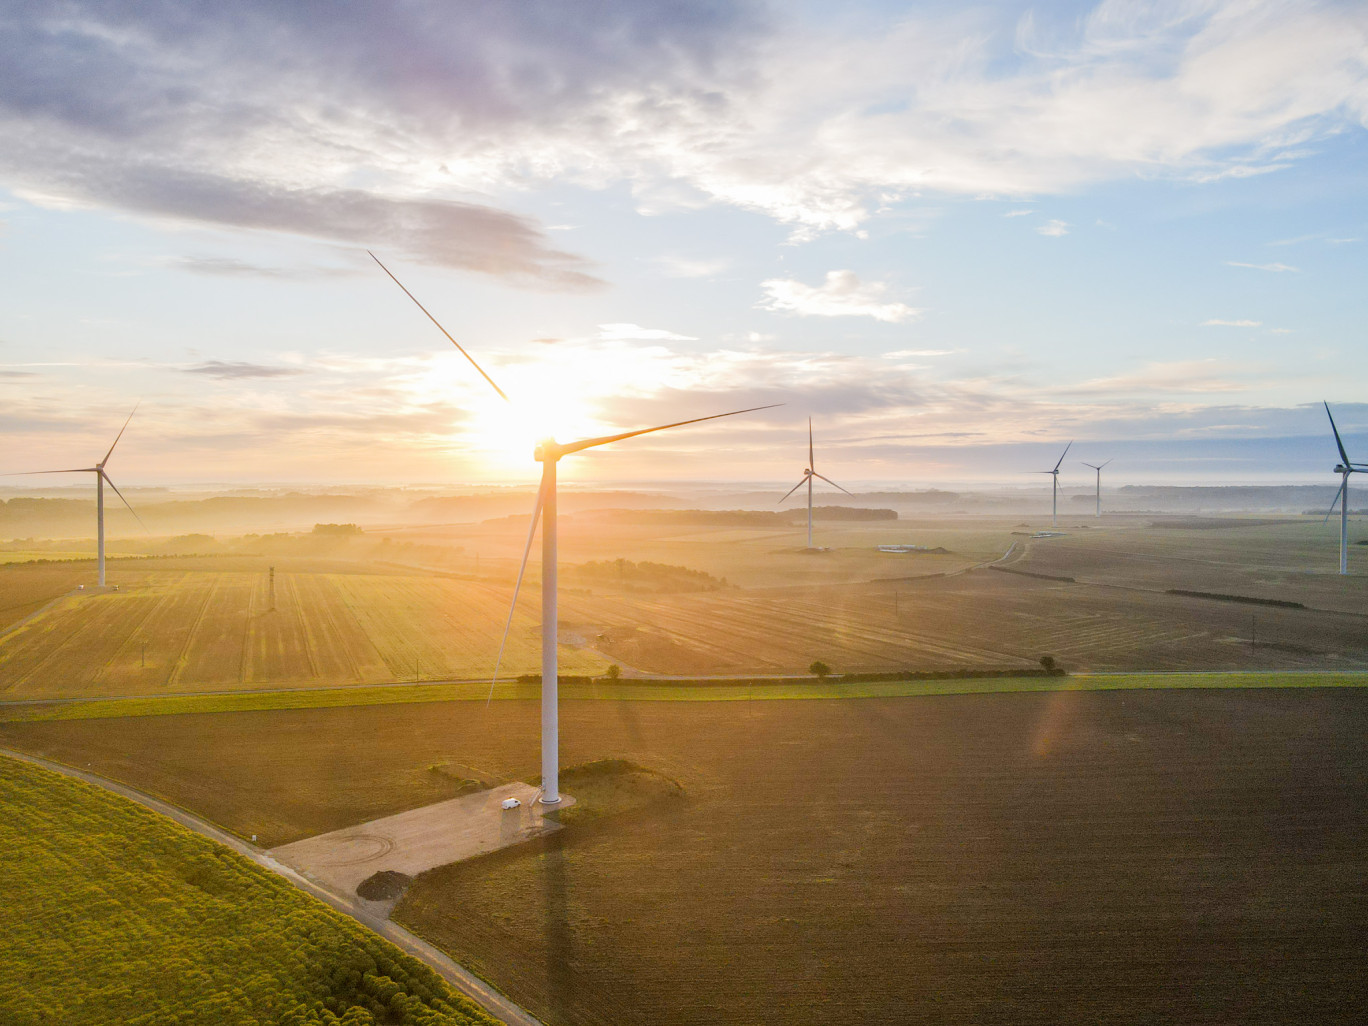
[1097,467]
[548,454]
[1054,504]
[101,479]
[1344,469]
[809,472]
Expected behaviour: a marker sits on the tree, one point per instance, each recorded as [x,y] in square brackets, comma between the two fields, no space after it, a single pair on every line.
[819,668]
[614,672]
[1047,663]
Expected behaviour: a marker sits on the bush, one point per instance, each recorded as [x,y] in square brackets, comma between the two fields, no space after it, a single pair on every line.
[819,668]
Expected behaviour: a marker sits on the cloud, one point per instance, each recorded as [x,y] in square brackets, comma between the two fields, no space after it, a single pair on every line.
[1054,228]
[1216,322]
[1179,376]
[842,294]
[1262,267]
[395,127]
[230,268]
[233,371]
[614,332]
[13,375]
[1018,213]
[693,267]
[898,354]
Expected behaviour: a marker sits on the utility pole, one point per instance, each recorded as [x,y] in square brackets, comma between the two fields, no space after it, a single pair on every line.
[273,589]
[144,655]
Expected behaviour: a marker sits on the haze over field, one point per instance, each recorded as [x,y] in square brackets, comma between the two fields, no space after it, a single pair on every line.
[955,235]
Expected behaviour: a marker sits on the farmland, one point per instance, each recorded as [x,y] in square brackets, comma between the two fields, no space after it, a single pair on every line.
[1125,856]
[694,601]
[115,914]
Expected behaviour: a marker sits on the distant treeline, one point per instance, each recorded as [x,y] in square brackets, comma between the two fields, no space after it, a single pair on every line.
[1222,597]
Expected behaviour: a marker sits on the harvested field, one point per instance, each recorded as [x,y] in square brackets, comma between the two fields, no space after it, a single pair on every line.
[1096,599]
[1139,857]
[168,631]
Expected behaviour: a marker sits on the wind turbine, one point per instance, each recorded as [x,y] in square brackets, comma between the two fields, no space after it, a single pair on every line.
[1097,467]
[101,479]
[809,472]
[1054,504]
[548,454]
[1344,469]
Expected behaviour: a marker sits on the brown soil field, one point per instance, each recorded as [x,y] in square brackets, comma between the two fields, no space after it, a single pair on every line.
[1119,857]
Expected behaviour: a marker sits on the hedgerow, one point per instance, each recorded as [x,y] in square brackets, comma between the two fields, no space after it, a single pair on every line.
[111,913]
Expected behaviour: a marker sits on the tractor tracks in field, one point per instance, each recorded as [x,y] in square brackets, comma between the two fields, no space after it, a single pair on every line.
[460,978]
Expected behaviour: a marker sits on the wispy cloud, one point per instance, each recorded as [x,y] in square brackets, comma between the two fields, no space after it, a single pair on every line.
[233,371]
[1054,228]
[693,267]
[1216,322]
[1262,267]
[231,268]
[841,294]
[617,332]
[1018,213]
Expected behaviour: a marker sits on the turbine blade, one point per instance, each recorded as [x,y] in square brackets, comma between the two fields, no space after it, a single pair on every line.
[440,328]
[831,482]
[812,463]
[1105,462]
[517,587]
[119,435]
[1094,466]
[1344,456]
[1343,485]
[1062,455]
[123,500]
[793,489]
[73,470]
[589,443]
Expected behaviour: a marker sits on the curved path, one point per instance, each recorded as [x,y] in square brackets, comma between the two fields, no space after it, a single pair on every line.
[471,986]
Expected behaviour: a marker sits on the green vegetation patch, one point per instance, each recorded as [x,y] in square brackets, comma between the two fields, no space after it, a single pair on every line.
[112,913]
[758,690]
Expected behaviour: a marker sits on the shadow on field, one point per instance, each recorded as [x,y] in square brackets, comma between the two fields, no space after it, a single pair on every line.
[559,939]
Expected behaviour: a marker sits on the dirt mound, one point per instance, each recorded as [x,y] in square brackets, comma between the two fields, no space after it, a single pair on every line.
[384,885]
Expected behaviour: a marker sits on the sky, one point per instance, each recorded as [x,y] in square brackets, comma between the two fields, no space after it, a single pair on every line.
[956,236]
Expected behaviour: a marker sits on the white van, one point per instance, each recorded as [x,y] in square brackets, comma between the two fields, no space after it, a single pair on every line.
[509,803]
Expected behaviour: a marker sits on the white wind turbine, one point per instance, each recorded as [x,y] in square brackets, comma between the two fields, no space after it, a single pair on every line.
[809,472]
[1344,469]
[548,454]
[1097,467]
[1054,474]
[101,479]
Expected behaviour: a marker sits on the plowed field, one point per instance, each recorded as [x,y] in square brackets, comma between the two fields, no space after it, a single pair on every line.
[1121,857]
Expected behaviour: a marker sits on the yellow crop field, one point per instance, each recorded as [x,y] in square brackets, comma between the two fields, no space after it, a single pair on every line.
[170,631]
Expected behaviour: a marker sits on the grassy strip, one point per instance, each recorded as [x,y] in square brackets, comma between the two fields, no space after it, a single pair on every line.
[120,915]
[671,691]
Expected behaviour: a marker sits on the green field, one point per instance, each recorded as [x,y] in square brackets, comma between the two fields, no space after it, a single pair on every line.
[661,691]
[115,914]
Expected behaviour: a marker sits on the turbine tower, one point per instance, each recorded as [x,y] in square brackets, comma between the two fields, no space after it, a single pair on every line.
[1054,498]
[1344,469]
[548,454]
[101,479]
[1097,467]
[809,472]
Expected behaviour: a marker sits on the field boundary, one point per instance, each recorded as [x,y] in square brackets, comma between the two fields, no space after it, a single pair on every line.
[482,993]
[778,689]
